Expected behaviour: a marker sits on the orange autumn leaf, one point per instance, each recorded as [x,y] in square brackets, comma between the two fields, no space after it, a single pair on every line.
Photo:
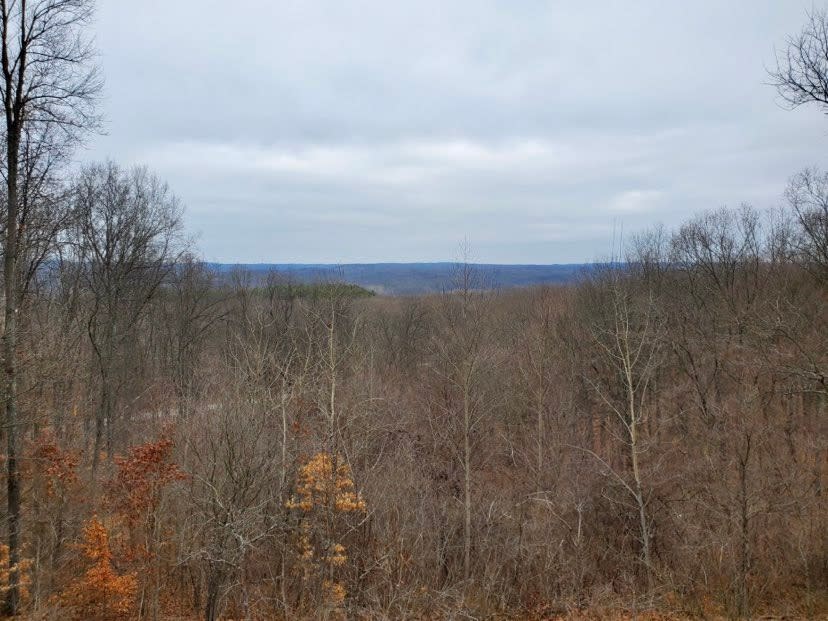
[101,592]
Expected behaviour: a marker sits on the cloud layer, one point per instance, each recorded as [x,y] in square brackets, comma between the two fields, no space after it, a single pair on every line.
[366,131]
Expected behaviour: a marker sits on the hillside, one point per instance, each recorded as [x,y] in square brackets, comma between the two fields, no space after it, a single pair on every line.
[414,278]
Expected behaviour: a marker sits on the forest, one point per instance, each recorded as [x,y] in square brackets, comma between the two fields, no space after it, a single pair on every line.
[649,441]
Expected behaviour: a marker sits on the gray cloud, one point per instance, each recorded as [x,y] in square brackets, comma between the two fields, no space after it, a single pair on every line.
[320,131]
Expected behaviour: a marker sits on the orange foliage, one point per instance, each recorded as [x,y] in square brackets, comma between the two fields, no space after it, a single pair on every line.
[100,593]
[58,466]
[318,485]
[142,475]
[136,496]
[53,467]
[325,483]
[334,593]
[5,572]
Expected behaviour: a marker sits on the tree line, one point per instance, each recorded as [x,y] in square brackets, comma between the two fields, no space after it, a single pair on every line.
[650,438]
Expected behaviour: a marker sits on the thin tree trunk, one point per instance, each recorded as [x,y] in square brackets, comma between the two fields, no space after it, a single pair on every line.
[635,449]
[100,423]
[213,586]
[744,533]
[467,485]
[9,353]
[642,507]
[539,404]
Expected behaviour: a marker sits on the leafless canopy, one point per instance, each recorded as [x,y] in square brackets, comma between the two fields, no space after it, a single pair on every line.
[48,65]
[807,194]
[801,73]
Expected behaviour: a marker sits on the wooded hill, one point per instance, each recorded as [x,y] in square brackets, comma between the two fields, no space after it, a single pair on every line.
[653,437]
[409,278]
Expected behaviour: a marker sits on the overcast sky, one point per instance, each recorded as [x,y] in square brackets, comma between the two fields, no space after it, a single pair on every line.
[385,130]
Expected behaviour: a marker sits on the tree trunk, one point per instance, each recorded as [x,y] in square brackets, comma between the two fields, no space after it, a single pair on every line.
[744,533]
[642,507]
[101,419]
[9,354]
[211,608]
[466,486]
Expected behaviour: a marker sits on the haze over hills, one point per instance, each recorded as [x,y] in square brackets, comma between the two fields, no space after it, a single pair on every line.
[414,278]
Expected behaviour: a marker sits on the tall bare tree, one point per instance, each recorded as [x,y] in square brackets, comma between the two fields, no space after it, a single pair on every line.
[462,366]
[49,87]
[127,241]
[807,195]
[628,339]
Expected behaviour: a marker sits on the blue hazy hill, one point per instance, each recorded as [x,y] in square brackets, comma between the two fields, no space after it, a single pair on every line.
[412,278]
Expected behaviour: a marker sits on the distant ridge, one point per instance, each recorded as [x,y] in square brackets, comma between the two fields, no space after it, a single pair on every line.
[413,278]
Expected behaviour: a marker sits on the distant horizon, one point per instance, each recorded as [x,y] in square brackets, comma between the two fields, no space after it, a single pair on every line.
[393,278]
[349,263]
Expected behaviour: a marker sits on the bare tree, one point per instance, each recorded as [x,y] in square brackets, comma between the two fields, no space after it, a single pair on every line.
[233,504]
[190,308]
[627,334]
[463,364]
[49,86]
[807,195]
[127,241]
[801,73]
[535,365]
